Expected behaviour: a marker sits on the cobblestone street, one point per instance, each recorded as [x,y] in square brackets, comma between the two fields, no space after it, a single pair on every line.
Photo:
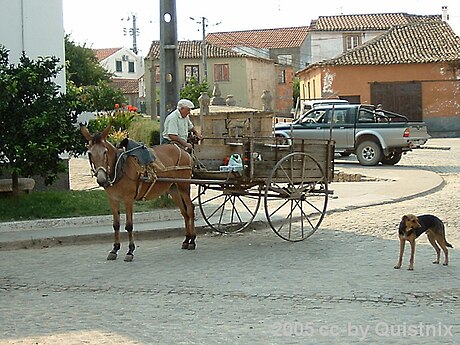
[337,287]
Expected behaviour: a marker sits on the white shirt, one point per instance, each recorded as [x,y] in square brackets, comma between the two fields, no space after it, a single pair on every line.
[178,125]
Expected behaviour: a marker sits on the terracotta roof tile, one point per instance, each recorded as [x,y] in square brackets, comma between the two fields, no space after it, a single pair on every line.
[360,22]
[126,85]
[265,38]
[417,42]
[104,53]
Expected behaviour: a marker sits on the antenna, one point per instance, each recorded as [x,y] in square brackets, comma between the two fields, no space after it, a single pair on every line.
[132,31]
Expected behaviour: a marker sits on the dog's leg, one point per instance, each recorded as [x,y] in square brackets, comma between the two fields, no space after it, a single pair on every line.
[402,244]
[412,253]
[443,245]
[432,239]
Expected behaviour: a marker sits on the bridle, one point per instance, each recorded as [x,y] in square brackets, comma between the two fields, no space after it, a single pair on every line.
[105,168]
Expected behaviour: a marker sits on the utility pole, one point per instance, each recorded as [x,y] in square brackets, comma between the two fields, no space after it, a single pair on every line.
[133,31]
[169,60]
[203,46]
[203,50]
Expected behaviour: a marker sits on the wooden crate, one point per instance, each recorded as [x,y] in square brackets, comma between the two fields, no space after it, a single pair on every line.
[233,123]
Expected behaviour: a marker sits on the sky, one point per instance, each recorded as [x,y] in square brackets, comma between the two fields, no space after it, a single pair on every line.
[101,23]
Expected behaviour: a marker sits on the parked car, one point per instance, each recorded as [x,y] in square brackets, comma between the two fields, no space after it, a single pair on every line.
[307,105]
[374,135]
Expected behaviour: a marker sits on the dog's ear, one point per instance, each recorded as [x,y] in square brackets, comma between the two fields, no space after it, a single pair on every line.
[404,218]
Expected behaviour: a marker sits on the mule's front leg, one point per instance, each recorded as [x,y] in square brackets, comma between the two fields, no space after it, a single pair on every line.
[129,228]
[132,247]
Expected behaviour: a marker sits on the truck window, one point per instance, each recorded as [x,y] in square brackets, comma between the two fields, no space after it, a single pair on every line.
[365,116]
[313,117]
[340,116]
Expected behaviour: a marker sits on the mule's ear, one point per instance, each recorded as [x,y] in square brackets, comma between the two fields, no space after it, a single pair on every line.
[106,131]
[85,132]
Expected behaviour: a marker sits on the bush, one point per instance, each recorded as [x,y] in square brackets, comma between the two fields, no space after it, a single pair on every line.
[145,130]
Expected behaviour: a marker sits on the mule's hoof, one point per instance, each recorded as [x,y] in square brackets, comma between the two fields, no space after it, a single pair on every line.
[129,257]
[112,256]
[185,245]
[445,264]
[191,246]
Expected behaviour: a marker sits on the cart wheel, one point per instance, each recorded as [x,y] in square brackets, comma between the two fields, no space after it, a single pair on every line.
[229,208]
[296,192]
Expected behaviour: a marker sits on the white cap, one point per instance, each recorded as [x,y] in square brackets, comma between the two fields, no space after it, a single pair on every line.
[185,103]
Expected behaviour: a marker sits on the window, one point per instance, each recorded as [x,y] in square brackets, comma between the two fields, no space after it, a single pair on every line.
[282,77]
[131,67]
[221,72]
[351,41]
[157,73]
[285,59]
[118,66]
[340,116]
[191,71]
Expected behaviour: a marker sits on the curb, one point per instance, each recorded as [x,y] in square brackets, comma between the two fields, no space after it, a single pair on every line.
[107,238]
[140,217]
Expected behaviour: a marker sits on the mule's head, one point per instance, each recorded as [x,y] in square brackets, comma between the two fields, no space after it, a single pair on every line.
[100,154]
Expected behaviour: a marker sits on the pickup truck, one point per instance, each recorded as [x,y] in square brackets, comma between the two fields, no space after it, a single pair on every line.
[373,134]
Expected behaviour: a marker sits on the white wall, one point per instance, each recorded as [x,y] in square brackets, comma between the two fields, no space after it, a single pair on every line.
[35,27]
[109,64]
[327,45]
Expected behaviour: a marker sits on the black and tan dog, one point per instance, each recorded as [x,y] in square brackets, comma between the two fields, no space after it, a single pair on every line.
[412,227]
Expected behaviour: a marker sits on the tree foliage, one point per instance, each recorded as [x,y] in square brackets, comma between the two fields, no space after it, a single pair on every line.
[87,80]
[82,67]
[193,89]
[38,121]
[295,91]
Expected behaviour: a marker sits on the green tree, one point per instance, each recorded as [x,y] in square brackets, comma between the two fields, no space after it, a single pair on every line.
[82,67]
[38,122]
[193,89]
[88,80]
[295,91]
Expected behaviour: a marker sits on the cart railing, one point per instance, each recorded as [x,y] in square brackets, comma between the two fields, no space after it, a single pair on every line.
[260,155]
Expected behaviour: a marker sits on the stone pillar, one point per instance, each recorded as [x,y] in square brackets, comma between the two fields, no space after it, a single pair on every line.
[204,103]
[267,101]
[216,96]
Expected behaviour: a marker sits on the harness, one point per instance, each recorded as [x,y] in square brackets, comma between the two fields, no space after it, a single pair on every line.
[148,164]
[151,169]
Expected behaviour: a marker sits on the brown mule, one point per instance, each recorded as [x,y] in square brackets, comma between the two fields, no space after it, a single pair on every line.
[128,186]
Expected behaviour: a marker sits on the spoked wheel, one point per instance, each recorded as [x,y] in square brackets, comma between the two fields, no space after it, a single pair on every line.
[296,197]
[228,209]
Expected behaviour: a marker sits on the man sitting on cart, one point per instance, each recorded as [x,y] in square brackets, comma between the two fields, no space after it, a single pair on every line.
[178,125]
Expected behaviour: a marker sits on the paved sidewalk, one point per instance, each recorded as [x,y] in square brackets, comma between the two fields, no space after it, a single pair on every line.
[388,184]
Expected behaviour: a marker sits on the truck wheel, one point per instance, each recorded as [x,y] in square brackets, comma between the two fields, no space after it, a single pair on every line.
[369,153]
[392,158]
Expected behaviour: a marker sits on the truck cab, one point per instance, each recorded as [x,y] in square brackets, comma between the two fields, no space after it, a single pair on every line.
[374,135]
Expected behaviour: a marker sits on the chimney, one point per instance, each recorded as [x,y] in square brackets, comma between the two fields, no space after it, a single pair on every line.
[445,15]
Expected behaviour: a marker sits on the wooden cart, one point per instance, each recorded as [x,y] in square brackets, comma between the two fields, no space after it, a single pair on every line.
[292,180]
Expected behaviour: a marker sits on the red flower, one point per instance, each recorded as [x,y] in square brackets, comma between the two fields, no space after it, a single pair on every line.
[117,105]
